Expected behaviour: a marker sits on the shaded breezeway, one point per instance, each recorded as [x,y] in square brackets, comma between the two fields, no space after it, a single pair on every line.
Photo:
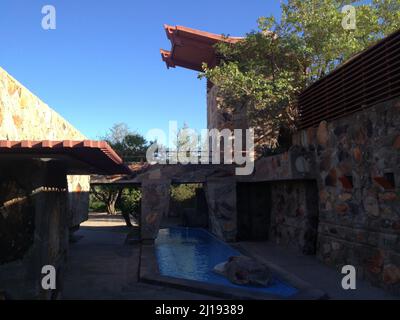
[101,265]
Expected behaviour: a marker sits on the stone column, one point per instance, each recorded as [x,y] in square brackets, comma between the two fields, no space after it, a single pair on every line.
[221,200]
[52,211]
[155,204]
[34,221]
[78,199]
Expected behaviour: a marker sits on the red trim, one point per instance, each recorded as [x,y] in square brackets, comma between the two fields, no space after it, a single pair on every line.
[190,48]
[106,160]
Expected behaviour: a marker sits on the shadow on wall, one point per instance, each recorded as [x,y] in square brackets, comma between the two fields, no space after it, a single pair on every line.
[188,204]
[285,212]
[34,226]
[17,220]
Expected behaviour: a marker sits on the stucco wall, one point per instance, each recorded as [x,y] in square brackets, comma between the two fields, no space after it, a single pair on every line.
[23,116]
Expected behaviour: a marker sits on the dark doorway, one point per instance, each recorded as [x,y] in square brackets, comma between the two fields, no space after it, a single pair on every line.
[253,211]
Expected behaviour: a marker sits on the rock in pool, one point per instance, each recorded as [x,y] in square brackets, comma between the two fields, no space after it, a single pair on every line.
[244,271]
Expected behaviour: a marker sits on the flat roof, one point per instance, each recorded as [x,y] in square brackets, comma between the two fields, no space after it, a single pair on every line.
[80,157]
[190,48]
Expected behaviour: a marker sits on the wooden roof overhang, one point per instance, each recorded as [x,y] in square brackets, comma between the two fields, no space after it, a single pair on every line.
[190,48]
[79,157]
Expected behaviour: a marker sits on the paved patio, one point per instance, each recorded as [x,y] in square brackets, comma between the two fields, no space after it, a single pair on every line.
[309,269]
[101,265]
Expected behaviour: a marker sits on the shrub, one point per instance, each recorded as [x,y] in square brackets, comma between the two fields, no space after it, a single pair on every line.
[130,201]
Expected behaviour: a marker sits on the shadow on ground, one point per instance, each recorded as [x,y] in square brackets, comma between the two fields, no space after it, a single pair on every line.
[103,264]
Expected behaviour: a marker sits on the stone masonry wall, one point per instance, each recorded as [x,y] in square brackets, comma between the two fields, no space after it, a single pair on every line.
[23,116]
[220,119]
[358,158]
[33,226]
[215,118]
[294,215]
[221,201]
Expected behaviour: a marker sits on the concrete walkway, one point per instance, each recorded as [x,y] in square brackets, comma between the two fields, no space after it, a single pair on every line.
[101,266]
[309,269]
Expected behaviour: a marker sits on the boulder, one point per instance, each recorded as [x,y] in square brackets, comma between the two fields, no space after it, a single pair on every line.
[245,271]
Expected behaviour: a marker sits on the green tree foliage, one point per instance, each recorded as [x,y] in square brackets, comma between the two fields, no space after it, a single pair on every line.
[132,147]
[104,197]
[183,196]
[266,71]
[130,201]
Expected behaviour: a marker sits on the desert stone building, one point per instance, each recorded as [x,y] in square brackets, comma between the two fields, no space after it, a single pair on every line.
[335,192]
[44,188]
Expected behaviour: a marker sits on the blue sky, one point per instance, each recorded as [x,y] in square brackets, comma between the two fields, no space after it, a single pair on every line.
[102,64]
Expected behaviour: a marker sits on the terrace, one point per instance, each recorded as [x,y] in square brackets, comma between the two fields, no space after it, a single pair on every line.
[326,202]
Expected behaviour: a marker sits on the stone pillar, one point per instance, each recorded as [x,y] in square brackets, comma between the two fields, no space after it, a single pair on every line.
[78,199]
[33,219]
[221,200]
[52,211]
[155,204]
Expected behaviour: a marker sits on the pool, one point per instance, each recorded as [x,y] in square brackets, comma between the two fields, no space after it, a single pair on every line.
[192,253]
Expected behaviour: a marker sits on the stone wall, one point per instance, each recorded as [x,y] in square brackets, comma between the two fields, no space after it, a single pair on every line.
[155,205]
[33,226]
[294,215]
[221,201]
[38,202]
[23,116]
[78,199]
[358,159]
[218,118]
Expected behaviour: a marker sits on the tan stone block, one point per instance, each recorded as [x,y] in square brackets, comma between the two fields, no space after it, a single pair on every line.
[391,274]
[375,263]
[396,143]
[342,208]
[229,226]
[323,195]
[345,196]
[12,88]
[322,133]
[388,196]
[25,100]
[151,218]
[17,121]
[357,154]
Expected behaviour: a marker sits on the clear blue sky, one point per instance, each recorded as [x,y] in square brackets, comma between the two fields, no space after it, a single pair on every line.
[102,64]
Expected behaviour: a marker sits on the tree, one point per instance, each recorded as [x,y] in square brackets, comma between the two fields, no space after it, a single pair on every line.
[131,146]
[266,71]
[108,195]
[130,204]
[187,140]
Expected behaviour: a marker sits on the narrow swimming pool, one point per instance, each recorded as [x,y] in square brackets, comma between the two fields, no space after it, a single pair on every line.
[192,253]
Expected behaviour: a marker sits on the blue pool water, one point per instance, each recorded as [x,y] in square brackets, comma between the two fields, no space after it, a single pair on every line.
[192,253]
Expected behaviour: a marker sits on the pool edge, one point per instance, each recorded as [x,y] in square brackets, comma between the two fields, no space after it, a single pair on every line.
[149,273]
